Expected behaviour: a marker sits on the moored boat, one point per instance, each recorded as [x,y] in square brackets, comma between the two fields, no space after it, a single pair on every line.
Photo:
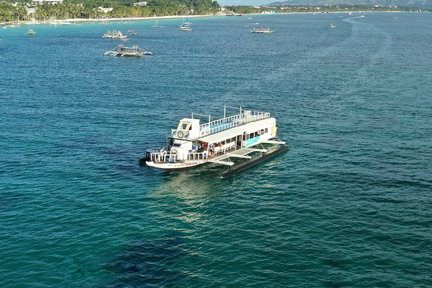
[219,141]
[262,30]
[31,32]
[123,51]
[185,26]
[114,35]
[157,24]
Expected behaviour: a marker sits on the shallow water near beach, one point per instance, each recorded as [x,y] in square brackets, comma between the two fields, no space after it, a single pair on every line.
[348,206]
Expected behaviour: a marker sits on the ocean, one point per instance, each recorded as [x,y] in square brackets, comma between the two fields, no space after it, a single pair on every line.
[349,205]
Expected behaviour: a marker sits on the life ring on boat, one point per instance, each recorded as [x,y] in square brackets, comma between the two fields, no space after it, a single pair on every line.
[174,133]
[180,134]
[186,133]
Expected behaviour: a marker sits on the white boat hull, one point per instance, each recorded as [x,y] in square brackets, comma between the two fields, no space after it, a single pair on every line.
[175,166]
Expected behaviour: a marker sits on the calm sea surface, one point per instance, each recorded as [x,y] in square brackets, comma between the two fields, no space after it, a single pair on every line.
[349,206]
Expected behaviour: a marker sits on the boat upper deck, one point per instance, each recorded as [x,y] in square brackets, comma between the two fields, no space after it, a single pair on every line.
[231,122]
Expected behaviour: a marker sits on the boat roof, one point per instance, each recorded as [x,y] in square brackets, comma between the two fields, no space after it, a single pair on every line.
[232,132]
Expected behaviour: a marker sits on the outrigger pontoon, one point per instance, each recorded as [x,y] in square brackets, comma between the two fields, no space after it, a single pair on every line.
[218,141]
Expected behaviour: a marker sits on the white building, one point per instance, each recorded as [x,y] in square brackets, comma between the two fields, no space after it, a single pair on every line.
[31,10]
[144,3]
[104,10]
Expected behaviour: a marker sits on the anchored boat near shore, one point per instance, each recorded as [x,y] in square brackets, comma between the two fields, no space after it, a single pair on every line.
[219,141]
[114,35]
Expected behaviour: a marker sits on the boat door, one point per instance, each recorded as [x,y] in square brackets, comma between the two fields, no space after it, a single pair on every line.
[239,142]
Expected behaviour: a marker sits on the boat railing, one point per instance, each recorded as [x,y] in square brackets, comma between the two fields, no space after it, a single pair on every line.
[158,157]
[231,122]
[197,156]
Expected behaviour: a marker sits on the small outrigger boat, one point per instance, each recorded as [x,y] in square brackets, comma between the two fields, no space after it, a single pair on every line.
[332,26]
[262,30]
[123,51]
[185,26]
[219,142]
[157,24]
[132,32]
[114,35]
[31,32]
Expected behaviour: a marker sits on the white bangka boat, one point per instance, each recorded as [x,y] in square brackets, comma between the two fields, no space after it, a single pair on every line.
[123,51]
[218,141]
[262,30]
[114,35]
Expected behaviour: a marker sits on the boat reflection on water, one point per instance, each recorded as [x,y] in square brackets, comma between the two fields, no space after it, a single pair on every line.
[188,197]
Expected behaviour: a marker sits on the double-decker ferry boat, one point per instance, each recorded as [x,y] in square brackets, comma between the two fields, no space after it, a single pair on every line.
[219,141]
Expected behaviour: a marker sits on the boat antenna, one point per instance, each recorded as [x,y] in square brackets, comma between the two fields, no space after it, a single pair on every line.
[226,106]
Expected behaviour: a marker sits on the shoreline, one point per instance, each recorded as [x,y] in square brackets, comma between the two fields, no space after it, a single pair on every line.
[83,20]
[77,20]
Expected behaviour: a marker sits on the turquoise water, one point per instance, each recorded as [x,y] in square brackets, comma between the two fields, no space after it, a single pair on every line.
[348,206]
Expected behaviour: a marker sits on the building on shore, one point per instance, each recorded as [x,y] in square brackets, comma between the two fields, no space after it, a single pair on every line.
[48,1]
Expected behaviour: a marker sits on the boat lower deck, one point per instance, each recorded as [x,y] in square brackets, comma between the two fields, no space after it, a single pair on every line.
[264,156]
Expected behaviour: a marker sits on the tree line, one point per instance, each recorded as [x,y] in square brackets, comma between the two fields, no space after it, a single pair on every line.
[71,9]
[319,8]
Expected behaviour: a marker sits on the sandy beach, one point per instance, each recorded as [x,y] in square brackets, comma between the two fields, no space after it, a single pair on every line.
[105,19]
[75,20]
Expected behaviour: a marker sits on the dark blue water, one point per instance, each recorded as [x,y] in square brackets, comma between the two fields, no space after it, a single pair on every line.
[348,206]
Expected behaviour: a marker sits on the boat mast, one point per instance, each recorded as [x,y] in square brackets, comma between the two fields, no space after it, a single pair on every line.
[204,115]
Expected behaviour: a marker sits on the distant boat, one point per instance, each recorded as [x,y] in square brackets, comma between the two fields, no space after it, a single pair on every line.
[123,51]
[185,26]
[31,32]
[262,30]
[114,35]
[332,26]
[157,24]
[132,32]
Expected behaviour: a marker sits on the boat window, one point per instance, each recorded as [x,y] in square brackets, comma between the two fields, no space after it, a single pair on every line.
[251,135]
[184,126]
[266,130]
[177,145]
